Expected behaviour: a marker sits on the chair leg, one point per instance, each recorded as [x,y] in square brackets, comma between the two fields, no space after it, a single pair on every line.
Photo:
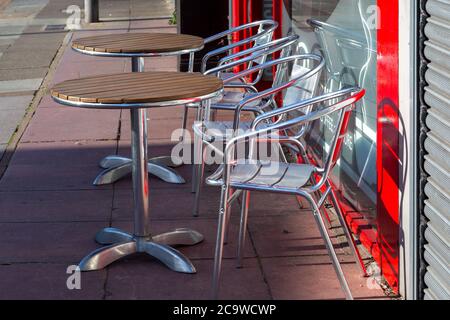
[196,151]
[243,227]
[228,217]
[219,241]
[348,234]
[329,246]
[200,169]
[184,122]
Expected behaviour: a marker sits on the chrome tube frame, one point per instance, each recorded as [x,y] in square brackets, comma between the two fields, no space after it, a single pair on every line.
[266,27]
[269,93]
[350,96]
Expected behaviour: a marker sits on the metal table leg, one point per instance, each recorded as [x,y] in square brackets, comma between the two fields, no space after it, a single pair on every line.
[117,167]
[121,244]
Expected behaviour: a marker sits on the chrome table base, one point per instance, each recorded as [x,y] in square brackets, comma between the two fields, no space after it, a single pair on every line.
[117,167]
[121,244]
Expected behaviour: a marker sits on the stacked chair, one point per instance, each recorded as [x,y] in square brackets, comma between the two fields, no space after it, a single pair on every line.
[303,180]
[263,35]
[283,114]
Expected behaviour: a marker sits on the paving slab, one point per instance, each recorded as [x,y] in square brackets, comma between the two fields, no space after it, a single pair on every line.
[56,8]
[24,8]
[9,121]
[47,281]
[26,59]
[62,154]
[48,102]
[56,166]
[181,203]
[168,63]
[20,85]
[142,277]
[55,206]
[87,68]
[34,177]
[62,124]
[313,277]
[38,41]
[24,74]
[62,242]
[156,131]
[291,235]
[15,102]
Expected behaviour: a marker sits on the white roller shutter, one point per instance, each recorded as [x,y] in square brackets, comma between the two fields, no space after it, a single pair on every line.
[437,146]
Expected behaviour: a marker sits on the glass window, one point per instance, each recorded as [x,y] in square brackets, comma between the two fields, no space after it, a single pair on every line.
[344,32]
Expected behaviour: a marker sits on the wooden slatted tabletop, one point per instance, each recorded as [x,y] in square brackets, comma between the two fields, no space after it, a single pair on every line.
[137,87]
[145,43]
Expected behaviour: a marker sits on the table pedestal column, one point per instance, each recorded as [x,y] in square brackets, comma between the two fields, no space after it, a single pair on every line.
[117,167]
[120,243]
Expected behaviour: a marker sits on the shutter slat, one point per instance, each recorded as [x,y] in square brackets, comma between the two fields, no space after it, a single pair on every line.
[437,145]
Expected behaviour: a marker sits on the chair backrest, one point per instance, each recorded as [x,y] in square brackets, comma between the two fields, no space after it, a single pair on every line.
[340,103]
[262,51]
[280,83]
[263,35]
[305,88]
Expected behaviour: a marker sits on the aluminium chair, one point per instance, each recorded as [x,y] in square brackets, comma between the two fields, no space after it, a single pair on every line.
[231,96]
[263,35]
[210,133]
[251,174]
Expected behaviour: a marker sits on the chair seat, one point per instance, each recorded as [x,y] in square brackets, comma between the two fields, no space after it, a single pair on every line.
[286,177]
[222,130]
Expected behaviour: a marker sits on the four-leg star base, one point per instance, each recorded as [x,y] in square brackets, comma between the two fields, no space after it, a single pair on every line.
[116,167]
[121,244]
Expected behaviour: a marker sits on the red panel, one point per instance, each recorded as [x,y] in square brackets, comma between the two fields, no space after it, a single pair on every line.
[239,12]
[388,166]
[277,14]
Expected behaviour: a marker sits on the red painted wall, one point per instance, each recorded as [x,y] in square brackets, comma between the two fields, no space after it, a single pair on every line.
[388,163]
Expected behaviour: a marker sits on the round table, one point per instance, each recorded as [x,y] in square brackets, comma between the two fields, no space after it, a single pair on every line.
[137,46]
[138,91]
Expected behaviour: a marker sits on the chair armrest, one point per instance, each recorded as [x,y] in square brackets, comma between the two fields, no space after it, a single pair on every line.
[302,104]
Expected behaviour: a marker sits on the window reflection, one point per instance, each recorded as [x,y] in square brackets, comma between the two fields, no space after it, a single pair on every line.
[344,32]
